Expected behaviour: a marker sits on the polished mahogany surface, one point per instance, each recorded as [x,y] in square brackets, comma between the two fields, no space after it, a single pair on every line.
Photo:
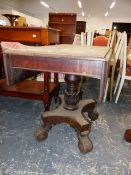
[38,35]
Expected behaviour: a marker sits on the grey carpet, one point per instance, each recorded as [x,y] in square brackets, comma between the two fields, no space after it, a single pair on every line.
[22,154]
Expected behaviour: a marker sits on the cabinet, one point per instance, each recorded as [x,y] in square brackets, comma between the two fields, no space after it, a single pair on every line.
[121,27]
[80,27]
[66,23]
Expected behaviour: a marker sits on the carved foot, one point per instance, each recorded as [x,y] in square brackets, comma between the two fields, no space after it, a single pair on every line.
[84,144]
[42,133]
[89,111]
[92,115]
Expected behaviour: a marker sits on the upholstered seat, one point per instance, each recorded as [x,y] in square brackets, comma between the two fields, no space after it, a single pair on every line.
[100,41]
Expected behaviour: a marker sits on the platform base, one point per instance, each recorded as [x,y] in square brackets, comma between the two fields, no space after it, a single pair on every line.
[80,119]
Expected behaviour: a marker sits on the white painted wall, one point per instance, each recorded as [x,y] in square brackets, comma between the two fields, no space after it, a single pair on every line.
[102,23]
[93,23]
[121,12]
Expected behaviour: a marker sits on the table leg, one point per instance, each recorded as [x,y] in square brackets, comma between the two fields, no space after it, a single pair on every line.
[47,96]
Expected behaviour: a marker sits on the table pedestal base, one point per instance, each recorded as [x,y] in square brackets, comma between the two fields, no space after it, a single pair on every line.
[79,119]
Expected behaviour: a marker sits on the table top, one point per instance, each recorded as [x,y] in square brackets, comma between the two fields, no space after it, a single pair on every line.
[67,51]
[91,61]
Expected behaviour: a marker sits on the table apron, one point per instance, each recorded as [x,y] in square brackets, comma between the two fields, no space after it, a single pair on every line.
[84,67]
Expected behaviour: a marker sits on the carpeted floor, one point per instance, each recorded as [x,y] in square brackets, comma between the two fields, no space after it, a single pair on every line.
[22,154]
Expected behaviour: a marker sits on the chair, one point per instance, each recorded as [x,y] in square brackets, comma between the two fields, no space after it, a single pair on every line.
[77,39]
[89,39]
[104,41]
[112,38]
[124,72]
[100,41]
[113,63]
[83,38]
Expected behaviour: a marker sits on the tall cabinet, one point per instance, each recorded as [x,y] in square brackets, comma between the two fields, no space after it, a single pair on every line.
[80,27]
[66,23]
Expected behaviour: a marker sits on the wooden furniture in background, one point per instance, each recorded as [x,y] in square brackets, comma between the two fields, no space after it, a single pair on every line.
[121,27]
[21,22]
[11,18]
[100,41]
[66,22]
[34,35]
[31,89]
[80,27]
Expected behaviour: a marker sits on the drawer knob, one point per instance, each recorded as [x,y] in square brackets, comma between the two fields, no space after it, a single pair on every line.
[34,35]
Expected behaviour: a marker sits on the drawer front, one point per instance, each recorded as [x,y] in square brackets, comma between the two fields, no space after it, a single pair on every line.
[20,35]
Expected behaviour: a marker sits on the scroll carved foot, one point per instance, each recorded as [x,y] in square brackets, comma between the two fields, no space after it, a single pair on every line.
[89,111]
[84,144]
[42,133]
